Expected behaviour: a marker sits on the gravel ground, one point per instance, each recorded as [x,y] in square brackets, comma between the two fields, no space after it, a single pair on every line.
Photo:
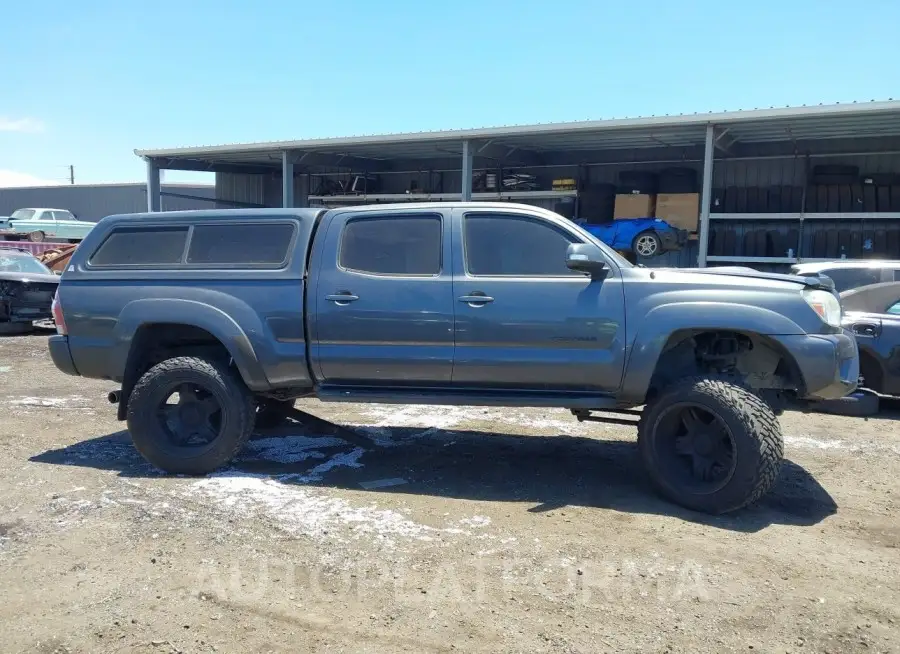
[462,529]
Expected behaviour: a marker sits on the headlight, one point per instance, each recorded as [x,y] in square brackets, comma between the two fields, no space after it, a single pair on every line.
[825,304]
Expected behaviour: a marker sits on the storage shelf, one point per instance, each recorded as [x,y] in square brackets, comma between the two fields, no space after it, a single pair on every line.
[806,216]
[432,197]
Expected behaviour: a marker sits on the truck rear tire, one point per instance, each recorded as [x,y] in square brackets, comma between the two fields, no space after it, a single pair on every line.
[210,423]
[710,445]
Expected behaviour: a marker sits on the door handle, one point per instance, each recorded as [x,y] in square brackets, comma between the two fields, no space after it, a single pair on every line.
[342,298]
[865,329]
[476,299]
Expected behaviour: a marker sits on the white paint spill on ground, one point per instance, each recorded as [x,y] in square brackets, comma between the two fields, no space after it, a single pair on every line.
[291,449]
[417,415]
[315,512]
[343,460]
[300,510]
[303,511]
[70,402]
[476,521]
[806,441]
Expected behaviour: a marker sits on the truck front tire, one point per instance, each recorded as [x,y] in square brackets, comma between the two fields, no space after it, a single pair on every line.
[209,424]
[710,445]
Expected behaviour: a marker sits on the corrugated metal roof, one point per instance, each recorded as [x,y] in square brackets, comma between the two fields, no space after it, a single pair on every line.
[876,118]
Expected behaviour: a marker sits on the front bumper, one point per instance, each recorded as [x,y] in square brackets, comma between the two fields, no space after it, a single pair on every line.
[829,363]
[62,357]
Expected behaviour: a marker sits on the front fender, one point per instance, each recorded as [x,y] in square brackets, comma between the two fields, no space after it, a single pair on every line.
[195,314]
[662,321]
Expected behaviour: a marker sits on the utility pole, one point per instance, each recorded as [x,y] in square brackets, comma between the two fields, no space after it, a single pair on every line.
[72,175]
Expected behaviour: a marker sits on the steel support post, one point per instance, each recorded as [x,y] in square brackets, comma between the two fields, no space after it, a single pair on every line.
[154,195]
[287,179]
[467,171]
[706,195]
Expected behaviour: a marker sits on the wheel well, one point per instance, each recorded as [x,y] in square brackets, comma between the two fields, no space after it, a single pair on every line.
[157,342]
[760,363]
[871,372]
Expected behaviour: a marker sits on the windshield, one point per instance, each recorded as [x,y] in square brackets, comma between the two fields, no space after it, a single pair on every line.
[22,263]
[22,214]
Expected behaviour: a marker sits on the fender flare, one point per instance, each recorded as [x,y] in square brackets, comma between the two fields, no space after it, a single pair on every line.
[662,321]
[191,313]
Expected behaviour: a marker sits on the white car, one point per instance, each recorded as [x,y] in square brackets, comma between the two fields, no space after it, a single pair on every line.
[41,224]
[848,275]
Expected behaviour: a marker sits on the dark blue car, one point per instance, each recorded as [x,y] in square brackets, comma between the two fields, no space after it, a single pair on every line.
[645,237]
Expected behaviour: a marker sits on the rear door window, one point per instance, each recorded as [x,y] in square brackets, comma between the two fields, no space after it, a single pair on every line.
[259,244]
[393,245]
[149,246]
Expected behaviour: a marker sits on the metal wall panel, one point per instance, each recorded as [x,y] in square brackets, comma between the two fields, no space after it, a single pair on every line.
[93,202]
[242,188]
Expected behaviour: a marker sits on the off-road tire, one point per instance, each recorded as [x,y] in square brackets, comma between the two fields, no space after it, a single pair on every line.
[238,412]
[272,413]
[758,443]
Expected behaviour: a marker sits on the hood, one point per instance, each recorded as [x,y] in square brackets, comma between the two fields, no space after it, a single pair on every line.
[32,278]
[742,271]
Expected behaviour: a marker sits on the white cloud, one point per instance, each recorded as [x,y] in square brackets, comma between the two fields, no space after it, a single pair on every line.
[20,124]
[12,179]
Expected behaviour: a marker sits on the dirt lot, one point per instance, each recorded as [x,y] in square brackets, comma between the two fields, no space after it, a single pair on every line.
[503,531]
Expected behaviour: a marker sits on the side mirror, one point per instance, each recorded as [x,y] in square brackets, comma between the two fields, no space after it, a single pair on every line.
[584,258]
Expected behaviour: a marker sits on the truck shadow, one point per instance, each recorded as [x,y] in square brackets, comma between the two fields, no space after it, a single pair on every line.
[548,472]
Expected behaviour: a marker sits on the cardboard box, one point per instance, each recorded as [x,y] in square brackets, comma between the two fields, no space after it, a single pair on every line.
[634,206]
[681,210]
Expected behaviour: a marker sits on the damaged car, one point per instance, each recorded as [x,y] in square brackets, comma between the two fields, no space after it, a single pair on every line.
[27,288]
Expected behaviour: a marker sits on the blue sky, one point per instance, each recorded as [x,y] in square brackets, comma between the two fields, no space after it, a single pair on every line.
[84,83]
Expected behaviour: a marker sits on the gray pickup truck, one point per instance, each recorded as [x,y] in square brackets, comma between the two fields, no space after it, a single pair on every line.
[212,321]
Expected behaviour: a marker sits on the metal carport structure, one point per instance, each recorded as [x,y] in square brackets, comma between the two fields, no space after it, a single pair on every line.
[709,141]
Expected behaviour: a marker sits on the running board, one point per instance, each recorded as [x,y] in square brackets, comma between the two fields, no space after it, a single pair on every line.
[466,397]
[587,416]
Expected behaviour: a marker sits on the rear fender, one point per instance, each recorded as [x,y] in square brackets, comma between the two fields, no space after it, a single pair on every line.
[195,314]
[663,321]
